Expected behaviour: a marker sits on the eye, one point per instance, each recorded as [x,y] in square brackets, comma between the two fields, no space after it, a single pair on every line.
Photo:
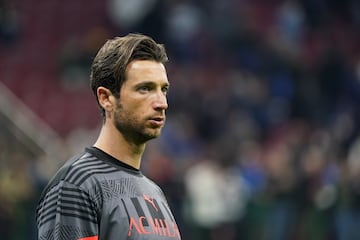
[144,89]
[165,90]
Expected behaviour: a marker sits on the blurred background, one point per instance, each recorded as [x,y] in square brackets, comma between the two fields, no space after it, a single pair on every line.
[262,139]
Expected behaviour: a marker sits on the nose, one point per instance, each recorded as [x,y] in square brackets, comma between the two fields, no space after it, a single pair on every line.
[160,102]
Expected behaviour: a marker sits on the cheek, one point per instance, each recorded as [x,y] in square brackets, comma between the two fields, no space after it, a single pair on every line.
[138,107]
[134,108]
[130,114]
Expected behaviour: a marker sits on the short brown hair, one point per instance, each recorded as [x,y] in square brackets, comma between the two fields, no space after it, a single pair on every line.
[109,65]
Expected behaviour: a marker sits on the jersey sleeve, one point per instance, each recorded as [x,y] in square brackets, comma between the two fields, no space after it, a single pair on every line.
[66,212]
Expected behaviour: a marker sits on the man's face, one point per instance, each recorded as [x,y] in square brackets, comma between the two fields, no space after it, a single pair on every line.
[140,110]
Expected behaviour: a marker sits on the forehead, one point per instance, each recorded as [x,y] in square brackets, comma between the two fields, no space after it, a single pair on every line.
[146,70]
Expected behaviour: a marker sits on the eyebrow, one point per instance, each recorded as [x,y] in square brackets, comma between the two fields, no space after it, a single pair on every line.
[166,84]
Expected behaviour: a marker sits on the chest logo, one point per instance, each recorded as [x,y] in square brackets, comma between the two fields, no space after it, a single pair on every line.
[151,201]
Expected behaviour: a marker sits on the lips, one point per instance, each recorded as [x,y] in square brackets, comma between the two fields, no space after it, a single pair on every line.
[157,121]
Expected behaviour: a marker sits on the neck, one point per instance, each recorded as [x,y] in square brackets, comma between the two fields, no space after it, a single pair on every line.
[111,141]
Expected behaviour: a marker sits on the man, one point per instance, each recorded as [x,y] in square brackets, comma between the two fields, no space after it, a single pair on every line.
[101,193]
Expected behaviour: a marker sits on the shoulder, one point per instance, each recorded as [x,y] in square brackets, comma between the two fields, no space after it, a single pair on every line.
[155,188]
[85,168]
[76,172]
[80,168]
[71,185]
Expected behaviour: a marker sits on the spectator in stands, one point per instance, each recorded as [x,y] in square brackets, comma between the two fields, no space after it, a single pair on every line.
[9,22]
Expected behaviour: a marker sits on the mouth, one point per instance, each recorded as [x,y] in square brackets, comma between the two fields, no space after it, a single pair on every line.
[157,121]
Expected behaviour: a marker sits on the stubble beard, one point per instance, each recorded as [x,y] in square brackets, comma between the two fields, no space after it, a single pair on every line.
[131,128]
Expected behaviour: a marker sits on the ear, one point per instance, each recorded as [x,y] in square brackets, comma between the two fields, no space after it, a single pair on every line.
[106,98]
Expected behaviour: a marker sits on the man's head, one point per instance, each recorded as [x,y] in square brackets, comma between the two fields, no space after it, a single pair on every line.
[130,83]
[109,66]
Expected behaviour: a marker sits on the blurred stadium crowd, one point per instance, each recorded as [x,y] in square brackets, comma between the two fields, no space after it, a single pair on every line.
[262,138]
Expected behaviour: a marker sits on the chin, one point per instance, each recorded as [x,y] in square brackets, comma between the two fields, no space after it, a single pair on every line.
[154,134]
[147,136]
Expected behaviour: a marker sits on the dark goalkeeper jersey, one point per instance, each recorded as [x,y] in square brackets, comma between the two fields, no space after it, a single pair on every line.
[94,196]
